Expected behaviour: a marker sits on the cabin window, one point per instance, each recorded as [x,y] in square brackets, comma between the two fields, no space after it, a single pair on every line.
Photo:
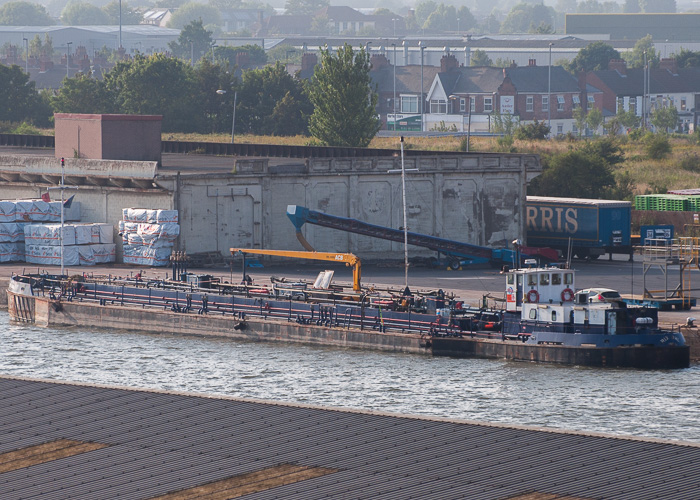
[533,313]
[532,280]
[556,279]
[568,278]
[511,279]
[544,279]
[554,315]
[520,280]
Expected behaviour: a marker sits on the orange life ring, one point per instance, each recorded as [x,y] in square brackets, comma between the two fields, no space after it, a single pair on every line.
[567,295]
[533,296]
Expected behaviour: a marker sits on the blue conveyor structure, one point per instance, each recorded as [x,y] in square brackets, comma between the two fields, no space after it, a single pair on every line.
[455,250]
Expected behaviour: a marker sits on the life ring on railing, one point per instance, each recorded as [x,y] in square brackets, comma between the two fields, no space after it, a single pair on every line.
[567,295]
[533,296]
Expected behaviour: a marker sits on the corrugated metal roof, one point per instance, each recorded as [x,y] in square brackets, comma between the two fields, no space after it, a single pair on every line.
[159,442]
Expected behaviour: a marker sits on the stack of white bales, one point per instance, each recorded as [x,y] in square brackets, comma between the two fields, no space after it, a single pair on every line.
[83,244]
[14,216]
[148,235]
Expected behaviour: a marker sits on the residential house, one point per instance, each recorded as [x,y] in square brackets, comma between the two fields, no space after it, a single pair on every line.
[157,17]
[399,91]
[625,89]
[466,98]
[237,20]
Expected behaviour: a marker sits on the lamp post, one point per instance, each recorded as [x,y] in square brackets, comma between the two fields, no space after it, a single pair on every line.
[394,21]
[549,91]
[645,84]
[457,25]
[233,122]
[120,24]
[469,116]
[394,100]
[62,187]
[67,57]
[26,55]
[422,47]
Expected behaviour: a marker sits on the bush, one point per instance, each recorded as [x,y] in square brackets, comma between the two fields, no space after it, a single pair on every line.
[505,144]
[636,134]
[657,146]
[536,131]
[25,129]
[690,163]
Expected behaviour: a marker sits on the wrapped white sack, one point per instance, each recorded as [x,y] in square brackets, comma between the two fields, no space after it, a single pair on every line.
[51,255]
[49,234]
[103,233]
[12,252]
[104,252]
[148,256]
[11,232]
[8,211]
[83,234]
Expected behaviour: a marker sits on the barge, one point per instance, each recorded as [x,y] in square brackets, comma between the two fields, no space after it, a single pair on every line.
[544,319]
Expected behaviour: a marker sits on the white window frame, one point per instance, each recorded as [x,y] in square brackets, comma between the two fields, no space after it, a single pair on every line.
[438,107]
[472,104]
[560,103]
[488,104]
[462,104]
[591,99]
[530,103]
[576,100]
[545,103]
[406,104]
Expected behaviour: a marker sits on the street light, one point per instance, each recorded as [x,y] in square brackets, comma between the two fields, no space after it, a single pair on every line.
[549,91]
[67,57]
[422,47]
[233,123]
[469,116]
[457,25]
[394,100]
[394,20]
[26,55]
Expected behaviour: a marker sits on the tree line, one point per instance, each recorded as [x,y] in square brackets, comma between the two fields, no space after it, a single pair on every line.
[337,105]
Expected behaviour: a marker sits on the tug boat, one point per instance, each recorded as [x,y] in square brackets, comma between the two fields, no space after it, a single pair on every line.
[554,323]
[544,319]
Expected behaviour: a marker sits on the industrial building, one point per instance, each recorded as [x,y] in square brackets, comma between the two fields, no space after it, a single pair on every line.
[237,195]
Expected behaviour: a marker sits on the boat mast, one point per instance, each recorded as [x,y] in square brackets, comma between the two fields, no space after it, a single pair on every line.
[405,222]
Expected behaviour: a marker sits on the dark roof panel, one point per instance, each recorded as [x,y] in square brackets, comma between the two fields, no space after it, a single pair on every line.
[158,442]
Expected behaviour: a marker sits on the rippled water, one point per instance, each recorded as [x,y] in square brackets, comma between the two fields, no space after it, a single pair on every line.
[662,404]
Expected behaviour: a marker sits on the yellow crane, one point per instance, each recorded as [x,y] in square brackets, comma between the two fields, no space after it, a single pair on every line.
[348,258]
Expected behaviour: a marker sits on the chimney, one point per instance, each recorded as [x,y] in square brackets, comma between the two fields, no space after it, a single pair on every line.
[447,63]
[670,64]
[242,59]
[532,62]
[308,61]
[379,61]
[618,65]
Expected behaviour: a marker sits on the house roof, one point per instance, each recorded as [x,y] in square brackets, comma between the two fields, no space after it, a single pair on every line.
[80,441]
[341,13]
[661,81]
[536,79]
[407,78]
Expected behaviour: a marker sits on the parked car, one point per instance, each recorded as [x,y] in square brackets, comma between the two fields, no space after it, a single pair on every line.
[594,295]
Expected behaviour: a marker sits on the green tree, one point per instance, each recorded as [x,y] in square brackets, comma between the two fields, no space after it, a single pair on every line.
[649,6]
[607,148]
[594,119]
[306,7]
[575,174]
[272,102]
[631,7]
[491,24]
[665,118]
[688,58]
[579,116]
[82,94]
[635,58]
[480,58]
[256,54]
[79,13]
[566,6]
[157,85]
[343,99]
[629,119]
[217,108]
[193,39]
[130,15]
[467,20]
[193,11]
[423,11]
[593,57]
[39,49]
[19,100]
[523,17]
[24,14]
